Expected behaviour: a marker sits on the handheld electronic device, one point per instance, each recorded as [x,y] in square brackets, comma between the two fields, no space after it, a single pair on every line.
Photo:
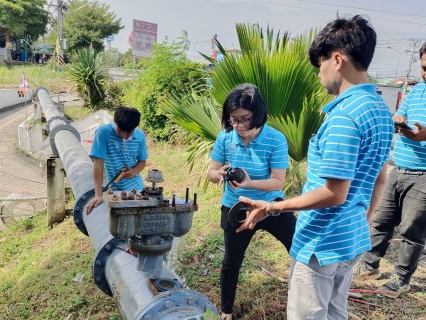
[403,125]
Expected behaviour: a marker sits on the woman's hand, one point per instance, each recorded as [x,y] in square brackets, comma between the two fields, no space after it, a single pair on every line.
[221,172]
[245,184]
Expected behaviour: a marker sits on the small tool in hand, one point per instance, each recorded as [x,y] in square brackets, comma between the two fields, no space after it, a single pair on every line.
[116,178]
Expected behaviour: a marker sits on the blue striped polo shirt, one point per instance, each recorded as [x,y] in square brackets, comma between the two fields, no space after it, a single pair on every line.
[267,151]
[118,152]
[353,143]
[410,154]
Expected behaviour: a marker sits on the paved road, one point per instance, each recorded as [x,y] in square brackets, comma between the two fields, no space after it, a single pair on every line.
[18,172]
[118,74]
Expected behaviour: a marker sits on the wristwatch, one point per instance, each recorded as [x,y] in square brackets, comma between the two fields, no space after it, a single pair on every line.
[272,211]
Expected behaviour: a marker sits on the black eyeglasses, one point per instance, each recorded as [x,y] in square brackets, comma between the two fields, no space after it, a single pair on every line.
[243,123]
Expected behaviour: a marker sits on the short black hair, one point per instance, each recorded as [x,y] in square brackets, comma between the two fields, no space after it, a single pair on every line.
[354,37]
[422,50]
[248,97]
[127,118]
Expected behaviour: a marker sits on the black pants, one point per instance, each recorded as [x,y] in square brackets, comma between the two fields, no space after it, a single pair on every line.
[403,204]
[281,227]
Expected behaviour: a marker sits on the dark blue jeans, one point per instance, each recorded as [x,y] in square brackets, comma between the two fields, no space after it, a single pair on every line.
[403,204]
[281,227]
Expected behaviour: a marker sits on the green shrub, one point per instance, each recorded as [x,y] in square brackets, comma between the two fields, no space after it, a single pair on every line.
[168,73]
[89,75]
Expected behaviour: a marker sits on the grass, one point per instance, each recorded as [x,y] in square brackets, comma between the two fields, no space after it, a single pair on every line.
[46,273]
[75,113]
[37,75]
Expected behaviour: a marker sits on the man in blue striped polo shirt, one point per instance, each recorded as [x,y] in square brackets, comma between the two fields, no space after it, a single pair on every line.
[117,145]
[347,161]
[404,200]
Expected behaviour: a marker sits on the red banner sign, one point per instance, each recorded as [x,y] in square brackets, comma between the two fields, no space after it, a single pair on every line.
[144,35]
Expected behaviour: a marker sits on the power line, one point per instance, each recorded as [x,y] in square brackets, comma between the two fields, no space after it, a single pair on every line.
[315,9]
[11,175]
[368,9]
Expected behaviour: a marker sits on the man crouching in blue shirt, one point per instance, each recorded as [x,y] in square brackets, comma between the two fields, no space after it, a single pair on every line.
[347,162]
[117,145]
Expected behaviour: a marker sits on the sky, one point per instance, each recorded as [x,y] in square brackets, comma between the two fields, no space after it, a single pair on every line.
[395,22]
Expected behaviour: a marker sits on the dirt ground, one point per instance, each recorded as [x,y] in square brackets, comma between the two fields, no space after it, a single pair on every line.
[411,305]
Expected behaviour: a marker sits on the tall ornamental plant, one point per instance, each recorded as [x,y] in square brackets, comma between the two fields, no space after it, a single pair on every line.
[89,75]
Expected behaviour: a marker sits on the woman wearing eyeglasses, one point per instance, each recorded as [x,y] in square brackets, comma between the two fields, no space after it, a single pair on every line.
[247,142]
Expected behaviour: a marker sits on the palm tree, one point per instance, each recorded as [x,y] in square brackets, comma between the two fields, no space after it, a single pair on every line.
[279,66]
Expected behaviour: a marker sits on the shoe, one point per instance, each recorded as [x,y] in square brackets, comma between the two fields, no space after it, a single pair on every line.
[395,286]
[361,272]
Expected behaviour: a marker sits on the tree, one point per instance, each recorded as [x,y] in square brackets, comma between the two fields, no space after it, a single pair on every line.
[168,73]
[87,23]
[23,17]
[113,58]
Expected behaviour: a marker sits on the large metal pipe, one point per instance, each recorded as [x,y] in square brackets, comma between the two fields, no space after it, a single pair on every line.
[117,272]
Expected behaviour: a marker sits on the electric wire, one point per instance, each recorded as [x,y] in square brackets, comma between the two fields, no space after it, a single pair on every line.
[320,10]
[367,9]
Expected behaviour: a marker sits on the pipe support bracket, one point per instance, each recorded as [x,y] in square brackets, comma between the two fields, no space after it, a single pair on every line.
[51,119]
[58,128]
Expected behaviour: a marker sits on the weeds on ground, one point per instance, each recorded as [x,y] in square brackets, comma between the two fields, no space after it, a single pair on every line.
[77,112]
[46,273]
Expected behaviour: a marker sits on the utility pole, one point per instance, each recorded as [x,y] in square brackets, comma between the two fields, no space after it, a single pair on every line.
[59,52]
[414,44]
[60,19]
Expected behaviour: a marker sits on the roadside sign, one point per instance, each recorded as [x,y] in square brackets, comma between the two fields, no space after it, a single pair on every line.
[144,35]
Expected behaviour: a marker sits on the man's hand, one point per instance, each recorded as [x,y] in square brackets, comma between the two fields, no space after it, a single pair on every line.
[97,200]
[399,118]
[418,134]
[259,211]
[128,174]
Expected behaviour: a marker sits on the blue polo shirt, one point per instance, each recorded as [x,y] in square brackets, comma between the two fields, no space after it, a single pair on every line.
[118,152]
[353,143]
[267,151]
[410,154]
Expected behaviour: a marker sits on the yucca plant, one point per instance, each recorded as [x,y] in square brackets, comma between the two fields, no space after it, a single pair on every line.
[89,75]
[279,66]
